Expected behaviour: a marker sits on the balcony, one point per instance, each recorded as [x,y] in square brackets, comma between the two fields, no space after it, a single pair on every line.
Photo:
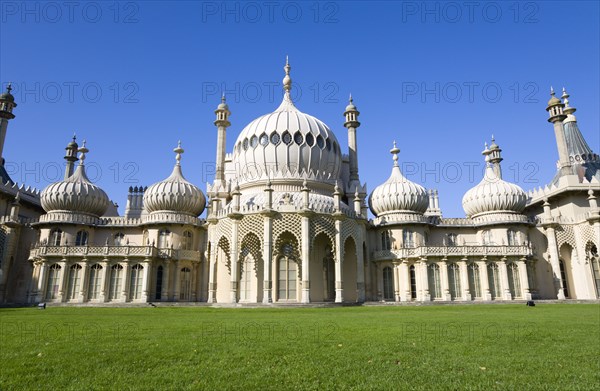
[149,252]
[452,251]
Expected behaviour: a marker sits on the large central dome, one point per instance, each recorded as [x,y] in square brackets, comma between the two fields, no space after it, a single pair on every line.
[286,143]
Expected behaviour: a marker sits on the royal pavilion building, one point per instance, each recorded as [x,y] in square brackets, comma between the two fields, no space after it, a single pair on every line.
[286,220]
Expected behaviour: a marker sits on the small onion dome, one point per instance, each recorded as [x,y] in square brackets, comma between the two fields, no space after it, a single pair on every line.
[76,194]
[175,194]
[553,99]
[398,194]
[7,95]
[493,194]
[351,106]
[223,105]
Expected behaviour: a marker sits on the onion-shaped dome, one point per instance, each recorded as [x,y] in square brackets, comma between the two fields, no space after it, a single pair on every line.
[398,194]
[493,194]
[76,194]
[286,143]
[175,194]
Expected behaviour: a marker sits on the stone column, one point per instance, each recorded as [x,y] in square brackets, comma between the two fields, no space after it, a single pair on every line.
[424,278]
[339,259]
[464,279]
[485,284]
[126,278]
[396,272]
[525,293]
[177,276]
[235,271]
[164,294]
[404,282]
[85,276]
[104,280]
[305,259]
[504,278]
[445,281]
[555,262]
[146,280]
[267,259]
[63,280]
[42,282]
[360,270]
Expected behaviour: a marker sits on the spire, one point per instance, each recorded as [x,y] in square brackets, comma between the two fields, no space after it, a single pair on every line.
[82,150]
[568,109]
[395,151]
[287,80]
[9,87]
[178,152]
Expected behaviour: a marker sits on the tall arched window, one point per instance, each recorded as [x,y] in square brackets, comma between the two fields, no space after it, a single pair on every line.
[329,276]
[287,278]
[247,276]
[388,283]
[435,283]
[53,282]
[119,239]
[56,237]
[116,277]
[74,281]
[413,282]
[486,237]
[159,283]
[135,287]
[563,277]
[185,285]
[513,238]
[454,280]
[145,238]
[95,280]
[81,239]
[163,238]
[408,238]
[386,240]
[187,240]
[474,280]
[514,282]
[494,280]
[451,239]
[595,265]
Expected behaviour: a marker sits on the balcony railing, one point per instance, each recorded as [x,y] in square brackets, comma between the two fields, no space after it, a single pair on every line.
[113,251]
[452,251]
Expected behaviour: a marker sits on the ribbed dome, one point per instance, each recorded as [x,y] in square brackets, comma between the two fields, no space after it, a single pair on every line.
[175,194]
[398,194]
[493,194]
[75,194]
[287,142]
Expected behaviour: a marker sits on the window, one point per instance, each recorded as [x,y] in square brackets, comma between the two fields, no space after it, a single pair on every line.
[435,285]
[474,280]
[55,237]
[246,280]
[119,239]
[81,239]
[408,238]
[187,240]
[145,238]
[53,281]
[563,277]
[513,238]
[386,242]
[329,276]
[451,239]
[514,283]
[595,265]
[163,236]
[486,237]
[454,280]
[388,283]
[185,286]
[135,287]
[494,280]
[95,280]
[116,275]
[413,282]
[74,281]
[287,279]
[159,283]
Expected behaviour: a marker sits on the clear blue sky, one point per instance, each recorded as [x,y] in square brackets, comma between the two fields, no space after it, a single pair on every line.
[134,77]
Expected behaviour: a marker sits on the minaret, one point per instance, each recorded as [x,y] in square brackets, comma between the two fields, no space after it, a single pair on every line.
[352,124]
[557,116]
[493,157]
[71,157]
[222,123]
[7,104]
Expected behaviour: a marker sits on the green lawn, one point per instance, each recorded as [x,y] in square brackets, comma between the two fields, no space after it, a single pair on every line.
[484,347]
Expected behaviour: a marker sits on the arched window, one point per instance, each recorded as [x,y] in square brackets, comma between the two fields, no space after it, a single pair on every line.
[486,237]
[287,278]
[513,238]
[474,280]
[435,284]
[135,287]
[145,238]
[413,282]
[514,282]
[159,283]
[119,239]
[95,280]
[116,277]
[163,238]
[247,276]
[81,239]
[53,281]
[329,276]
[454,280]
[56,237]
[451,239]
[408,238]
[386,242]
[185,285]
[74,281]
[388,283]
[563,277]
[187,240]
[494,280]
[595,265]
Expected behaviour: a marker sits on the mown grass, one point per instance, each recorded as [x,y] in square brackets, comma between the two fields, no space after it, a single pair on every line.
[401,347]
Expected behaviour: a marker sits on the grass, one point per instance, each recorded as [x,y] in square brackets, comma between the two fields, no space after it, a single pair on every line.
[553,346]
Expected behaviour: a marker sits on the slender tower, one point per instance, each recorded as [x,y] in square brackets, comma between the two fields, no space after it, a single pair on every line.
[352,124]
[494,157]
[557,116]
[71,157]
[222,123]
[7,104]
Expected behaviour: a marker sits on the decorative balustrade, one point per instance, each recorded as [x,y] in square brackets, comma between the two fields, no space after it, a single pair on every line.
[113,251]
[452,251]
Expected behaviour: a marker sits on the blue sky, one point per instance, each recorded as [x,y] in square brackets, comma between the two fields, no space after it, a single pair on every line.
[133,78]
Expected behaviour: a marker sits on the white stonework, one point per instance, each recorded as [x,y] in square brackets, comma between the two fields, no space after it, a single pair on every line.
[286,222]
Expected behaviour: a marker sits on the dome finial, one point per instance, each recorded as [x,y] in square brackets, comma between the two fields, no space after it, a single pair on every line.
[82,150]
[223,97]
[351,100]
[551,90]
[178,151]
[287,80]
[395,151]
[9,87]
